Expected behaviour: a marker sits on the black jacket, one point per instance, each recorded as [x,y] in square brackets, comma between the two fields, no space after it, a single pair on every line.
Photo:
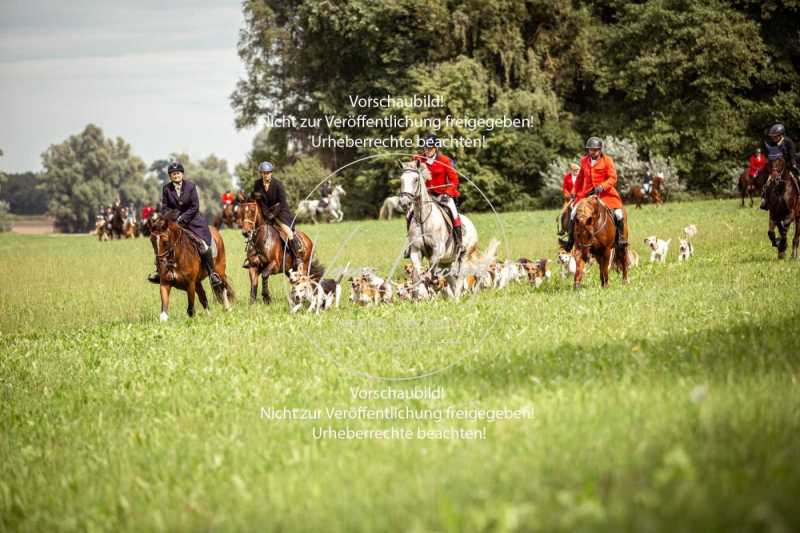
[273,201]
[188,205]
[786,148]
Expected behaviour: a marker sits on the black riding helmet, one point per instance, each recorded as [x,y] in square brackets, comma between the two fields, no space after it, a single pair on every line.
[175,166]
[594,142]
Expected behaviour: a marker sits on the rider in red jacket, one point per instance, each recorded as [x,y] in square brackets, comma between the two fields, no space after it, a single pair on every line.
[443,183]
[757,162]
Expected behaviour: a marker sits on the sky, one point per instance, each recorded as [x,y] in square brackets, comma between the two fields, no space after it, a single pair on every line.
[157,74]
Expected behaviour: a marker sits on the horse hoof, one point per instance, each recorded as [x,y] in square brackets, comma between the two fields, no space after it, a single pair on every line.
[163,317]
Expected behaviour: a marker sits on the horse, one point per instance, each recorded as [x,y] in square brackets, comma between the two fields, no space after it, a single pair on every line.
[638,196]
[595,234]
[751,186]
[429,228]
[226,216]
[267,254]
[130,228]
[391,205]
[118,216]
[309,209]
[178,264]
[783,201]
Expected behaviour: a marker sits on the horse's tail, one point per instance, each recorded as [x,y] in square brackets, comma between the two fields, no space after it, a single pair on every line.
[316,270]
[384,212]
[219,292]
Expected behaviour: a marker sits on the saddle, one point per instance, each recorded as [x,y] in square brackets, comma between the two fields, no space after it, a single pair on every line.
[199,243]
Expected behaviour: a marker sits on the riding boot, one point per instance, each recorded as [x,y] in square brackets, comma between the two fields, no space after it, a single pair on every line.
[568,240]
[458,240]
[620,224]
[297,252]
[208,262]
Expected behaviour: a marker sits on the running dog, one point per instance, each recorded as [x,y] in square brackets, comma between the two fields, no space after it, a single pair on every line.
[658,248]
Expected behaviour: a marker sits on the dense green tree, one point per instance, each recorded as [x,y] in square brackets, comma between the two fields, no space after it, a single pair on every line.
[696,82]
[23,195]
[86,172]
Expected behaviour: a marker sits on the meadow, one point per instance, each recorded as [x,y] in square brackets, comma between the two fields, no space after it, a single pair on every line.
[668,404]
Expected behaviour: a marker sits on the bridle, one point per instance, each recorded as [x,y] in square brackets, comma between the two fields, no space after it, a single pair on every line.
[595,230]
[416,198]
[165,258]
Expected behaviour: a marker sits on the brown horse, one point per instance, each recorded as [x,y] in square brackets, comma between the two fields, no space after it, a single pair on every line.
[267,254]
[178,263]
[750,186]
[225,217]
[783,201]
[638,196]
[595,235]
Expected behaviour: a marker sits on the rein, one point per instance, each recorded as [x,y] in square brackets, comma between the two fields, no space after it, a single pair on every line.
[595,230]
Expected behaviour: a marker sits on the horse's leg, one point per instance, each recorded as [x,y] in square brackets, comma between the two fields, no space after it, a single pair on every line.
[416,262]
[603,261]
[265,287]
[190,290]
[796,240]
[771,232]
[579,266]
[164,302]
[253,284]
[201,294]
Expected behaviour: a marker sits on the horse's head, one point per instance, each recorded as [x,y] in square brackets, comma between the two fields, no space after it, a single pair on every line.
[585,217]
[339,191]
[161,239]
[414,172]
[251,216]
[777,166]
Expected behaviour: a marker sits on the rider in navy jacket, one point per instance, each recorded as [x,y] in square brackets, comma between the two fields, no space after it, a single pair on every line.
[181,195]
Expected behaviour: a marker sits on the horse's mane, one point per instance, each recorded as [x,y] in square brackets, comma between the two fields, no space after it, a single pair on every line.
[585,209]
[414,166]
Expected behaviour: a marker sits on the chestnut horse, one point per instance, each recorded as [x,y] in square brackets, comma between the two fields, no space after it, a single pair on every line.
[226,217]
[267,254]
[178,264]
[595,234]
[638,196]
[784,206]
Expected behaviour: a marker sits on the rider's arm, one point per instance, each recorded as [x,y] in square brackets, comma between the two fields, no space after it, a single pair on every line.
[578,188]
[164,199]
[193,207]
[450,172]
[612,176]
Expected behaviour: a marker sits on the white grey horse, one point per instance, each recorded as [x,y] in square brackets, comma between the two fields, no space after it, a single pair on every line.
[428,231]
[309,209]
[391,206]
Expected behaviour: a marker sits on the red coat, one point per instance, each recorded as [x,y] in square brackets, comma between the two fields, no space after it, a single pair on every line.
[757,162]
[569,184]
[227,198]
[603,174]
[146,212]
[444,178]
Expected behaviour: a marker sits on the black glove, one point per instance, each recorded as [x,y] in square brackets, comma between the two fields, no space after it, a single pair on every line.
[181,221]
[598,189]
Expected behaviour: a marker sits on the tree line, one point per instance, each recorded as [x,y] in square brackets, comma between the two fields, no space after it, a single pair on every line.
[694,84]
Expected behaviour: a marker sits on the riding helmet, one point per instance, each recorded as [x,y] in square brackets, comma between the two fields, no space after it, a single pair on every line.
[431,140]
[777,129]
[265,166]
[175,166]
[594,142]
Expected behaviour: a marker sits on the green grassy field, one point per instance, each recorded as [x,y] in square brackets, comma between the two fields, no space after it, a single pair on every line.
[669,404]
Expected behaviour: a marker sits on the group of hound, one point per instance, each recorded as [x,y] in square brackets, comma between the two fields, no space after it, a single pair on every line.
[368,288]
[659,247]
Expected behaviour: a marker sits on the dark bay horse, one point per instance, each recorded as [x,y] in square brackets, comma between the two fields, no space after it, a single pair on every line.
[225,217]
[638,196]
[783,201]
[267,253]
[595,235]
[178,263]
[118,216]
